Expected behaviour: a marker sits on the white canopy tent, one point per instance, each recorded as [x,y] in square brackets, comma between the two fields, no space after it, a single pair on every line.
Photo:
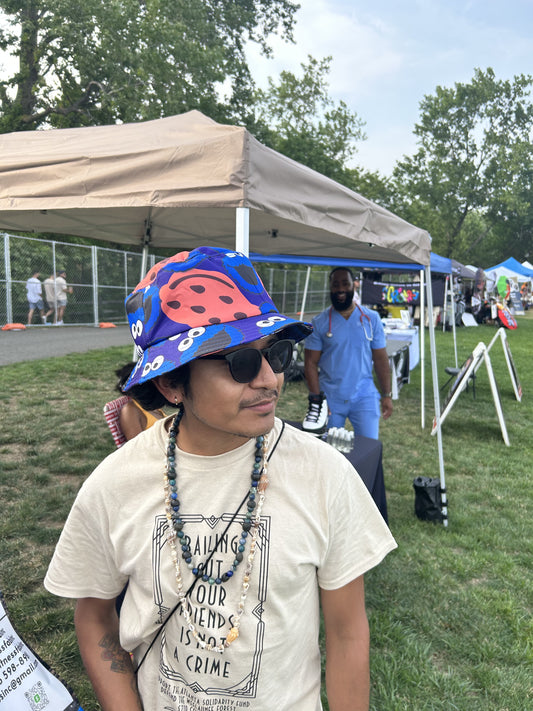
[184,181]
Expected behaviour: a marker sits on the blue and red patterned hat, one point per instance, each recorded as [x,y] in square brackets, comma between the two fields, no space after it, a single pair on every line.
[197,303]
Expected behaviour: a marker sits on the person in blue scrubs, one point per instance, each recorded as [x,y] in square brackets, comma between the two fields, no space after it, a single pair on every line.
[346,346]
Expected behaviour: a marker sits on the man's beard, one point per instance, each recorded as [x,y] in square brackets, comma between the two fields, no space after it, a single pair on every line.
[341,302]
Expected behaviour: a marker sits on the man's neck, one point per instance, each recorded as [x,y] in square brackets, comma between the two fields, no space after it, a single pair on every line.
[347,312]
[194,440]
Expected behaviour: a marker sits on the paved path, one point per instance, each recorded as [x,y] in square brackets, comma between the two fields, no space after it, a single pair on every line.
[39,342]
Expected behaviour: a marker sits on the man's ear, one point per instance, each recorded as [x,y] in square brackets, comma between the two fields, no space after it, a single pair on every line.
[172,394]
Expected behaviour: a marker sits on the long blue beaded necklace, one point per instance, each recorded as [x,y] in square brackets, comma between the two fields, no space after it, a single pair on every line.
[251,524]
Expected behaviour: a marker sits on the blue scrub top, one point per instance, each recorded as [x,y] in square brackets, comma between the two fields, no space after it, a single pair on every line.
[346,362]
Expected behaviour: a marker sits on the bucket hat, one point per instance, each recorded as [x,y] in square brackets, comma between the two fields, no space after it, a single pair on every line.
[197,303]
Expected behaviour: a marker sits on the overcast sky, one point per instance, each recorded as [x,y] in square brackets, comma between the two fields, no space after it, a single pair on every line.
[388,54]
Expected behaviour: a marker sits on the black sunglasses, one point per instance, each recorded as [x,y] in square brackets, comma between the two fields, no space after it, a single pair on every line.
[245,363]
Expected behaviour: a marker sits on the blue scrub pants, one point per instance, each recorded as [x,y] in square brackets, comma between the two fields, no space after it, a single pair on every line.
[363,413]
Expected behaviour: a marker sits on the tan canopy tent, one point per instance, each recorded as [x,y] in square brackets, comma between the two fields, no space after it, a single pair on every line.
[185,181]
[176,182]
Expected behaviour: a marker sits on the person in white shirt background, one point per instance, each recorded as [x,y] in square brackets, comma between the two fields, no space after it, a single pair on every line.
[34,292]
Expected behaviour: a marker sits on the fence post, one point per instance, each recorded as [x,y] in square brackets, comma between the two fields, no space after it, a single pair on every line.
[7,267]
[94,261]
[297,291]
[125,260]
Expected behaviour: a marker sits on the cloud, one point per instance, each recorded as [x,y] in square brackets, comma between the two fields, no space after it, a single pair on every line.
[388,55]
[362,51]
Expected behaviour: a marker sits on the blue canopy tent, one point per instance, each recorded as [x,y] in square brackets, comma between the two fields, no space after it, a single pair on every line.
[438,265]
[512,265]
[510,269]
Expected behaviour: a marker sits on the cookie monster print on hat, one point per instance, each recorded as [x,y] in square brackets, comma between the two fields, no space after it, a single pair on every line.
[197,303]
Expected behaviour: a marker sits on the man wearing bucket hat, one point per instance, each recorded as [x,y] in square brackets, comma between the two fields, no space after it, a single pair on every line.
[227,527]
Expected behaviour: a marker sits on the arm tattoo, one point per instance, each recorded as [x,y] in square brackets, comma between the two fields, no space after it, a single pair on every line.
[113,652]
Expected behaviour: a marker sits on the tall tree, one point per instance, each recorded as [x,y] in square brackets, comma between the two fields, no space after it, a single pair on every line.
[474,155]
[97,61]
[297,117]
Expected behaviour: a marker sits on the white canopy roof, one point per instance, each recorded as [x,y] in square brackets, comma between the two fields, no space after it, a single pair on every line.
[179,180]
[494,274]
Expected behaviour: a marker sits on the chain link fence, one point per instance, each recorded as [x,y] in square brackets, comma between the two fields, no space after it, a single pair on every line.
[287,287]
[101,278]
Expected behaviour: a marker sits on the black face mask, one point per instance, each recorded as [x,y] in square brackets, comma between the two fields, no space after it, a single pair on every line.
[341,301]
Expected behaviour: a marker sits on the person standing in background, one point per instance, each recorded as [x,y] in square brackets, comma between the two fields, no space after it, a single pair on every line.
[61,295]
[347,344]
[133,418]
[50,295]
[34,292]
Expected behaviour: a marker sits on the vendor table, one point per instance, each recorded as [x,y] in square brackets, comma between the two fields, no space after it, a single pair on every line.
[398,352]
[366,458]
[406,334]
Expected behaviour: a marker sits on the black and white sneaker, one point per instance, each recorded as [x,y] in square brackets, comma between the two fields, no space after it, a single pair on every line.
[317,415]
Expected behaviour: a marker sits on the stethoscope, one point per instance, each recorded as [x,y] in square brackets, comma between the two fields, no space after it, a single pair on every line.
[329,334]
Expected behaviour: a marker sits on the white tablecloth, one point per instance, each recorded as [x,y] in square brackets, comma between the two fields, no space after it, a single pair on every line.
[406,334]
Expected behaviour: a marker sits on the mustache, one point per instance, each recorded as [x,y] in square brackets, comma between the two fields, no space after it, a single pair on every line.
[261,397]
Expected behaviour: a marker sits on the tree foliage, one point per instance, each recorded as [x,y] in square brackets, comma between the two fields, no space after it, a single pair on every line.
[95,62]
[473,165]
[297,117]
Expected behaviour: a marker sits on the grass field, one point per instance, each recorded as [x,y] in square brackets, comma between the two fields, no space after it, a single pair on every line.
[450,610]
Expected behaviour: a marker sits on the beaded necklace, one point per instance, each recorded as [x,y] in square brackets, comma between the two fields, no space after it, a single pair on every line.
[250,530]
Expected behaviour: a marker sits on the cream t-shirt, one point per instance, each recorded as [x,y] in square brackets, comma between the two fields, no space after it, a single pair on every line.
[319,528]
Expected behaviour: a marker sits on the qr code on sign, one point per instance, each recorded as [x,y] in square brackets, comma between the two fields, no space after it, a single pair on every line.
[37,698]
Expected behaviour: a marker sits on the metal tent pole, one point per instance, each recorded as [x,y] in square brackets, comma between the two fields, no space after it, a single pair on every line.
[147,237]
[453,324]
[422,337]
[144,258]
[445,307]
[242,230]
[304,297]
[436,398]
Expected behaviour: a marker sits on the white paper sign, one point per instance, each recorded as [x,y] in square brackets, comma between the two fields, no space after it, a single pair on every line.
[25,682]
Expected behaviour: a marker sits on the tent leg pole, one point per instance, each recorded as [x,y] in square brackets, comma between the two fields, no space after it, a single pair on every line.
[242,230]
[453,324]
[436,398]
[422,337]
[146,242]
[445,307]
[304,297]
[144,261]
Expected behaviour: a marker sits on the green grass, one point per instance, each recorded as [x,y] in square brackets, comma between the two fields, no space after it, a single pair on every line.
[450,610]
